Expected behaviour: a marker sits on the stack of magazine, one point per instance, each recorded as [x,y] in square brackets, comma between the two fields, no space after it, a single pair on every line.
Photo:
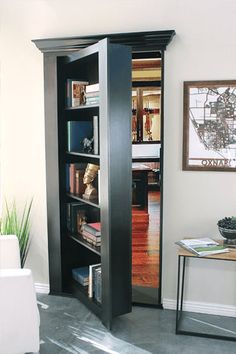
[202,246]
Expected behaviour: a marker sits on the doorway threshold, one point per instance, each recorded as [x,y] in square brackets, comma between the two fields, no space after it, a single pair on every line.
[144,295]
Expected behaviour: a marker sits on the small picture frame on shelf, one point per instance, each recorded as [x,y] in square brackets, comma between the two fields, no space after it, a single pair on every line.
[209,126]
[75,93]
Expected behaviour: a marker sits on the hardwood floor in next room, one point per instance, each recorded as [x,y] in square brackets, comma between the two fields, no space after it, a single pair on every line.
[146,245]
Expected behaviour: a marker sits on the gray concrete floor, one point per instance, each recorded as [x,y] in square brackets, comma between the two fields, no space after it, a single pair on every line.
[68,327]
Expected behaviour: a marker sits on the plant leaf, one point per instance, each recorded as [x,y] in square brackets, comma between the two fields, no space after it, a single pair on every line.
[13,224]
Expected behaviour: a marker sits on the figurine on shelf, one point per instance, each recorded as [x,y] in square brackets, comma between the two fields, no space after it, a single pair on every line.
[88,145]
[134,122]
[134,127]
[148,126]
[89,176]
[81,219]
[83,95]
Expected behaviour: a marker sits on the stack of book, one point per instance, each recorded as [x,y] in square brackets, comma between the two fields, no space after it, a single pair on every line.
[90,276]
[202,247]
[81,275]
[92,94]
[95,282]
[91,232]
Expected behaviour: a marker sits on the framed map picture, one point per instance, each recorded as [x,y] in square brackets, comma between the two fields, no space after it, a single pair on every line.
[209,132]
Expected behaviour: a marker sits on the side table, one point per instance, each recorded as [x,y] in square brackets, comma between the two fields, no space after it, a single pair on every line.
[183,255]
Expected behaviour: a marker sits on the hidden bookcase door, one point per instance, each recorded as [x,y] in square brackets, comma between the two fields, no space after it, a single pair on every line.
[88,168]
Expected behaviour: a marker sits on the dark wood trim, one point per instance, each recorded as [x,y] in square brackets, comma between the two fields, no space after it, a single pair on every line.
[146,55]
[146,83]
[115,151]
[213,83]
[161,176]
[145,159]
[146,65]
[139,41]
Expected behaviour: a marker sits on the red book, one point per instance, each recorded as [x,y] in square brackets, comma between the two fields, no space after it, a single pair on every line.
[72,178]
[95,225]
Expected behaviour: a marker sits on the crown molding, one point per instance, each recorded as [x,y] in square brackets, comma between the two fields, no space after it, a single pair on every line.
[139,41]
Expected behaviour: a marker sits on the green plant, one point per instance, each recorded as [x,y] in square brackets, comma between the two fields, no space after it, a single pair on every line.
[228,223]
[13,223]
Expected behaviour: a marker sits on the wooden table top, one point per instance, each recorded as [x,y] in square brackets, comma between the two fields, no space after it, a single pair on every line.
[227,256]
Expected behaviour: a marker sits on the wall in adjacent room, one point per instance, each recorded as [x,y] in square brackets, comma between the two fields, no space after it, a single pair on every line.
[203,49]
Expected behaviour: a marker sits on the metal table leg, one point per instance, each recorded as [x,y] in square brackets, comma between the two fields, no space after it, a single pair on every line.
[180,294]
[179,305]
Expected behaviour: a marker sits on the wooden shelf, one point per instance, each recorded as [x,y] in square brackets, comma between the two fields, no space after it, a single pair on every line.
[82,113]
[83,155]
[78,238]
[83,200]
[88,106]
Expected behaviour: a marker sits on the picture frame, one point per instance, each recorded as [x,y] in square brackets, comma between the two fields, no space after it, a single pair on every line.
[209,126]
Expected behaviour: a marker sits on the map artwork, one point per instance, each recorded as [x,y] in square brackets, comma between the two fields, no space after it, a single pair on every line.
[211,126]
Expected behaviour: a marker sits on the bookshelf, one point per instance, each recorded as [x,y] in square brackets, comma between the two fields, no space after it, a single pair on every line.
[108,65]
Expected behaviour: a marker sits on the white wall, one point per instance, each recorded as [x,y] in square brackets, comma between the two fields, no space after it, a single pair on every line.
[203,49]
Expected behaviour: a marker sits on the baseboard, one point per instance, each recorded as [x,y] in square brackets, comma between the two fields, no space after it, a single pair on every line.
[41,288]
[202,307]
[170,304]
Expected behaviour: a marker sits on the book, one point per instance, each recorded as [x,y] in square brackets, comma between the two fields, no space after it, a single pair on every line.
[81,275]
[98,284]
[72,170]
[91,284]
[77,133]
[92,100]
[68,216]
[93,228]
[67,178]
[95,135]
[75,92]
[202,246]
[90,236]
[93,243]
[79,184]
[99,186]
[76,215]
[76,174]
[92,94]
[92,88]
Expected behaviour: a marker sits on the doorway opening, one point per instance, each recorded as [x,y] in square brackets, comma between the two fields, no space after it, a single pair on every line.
[146,172]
